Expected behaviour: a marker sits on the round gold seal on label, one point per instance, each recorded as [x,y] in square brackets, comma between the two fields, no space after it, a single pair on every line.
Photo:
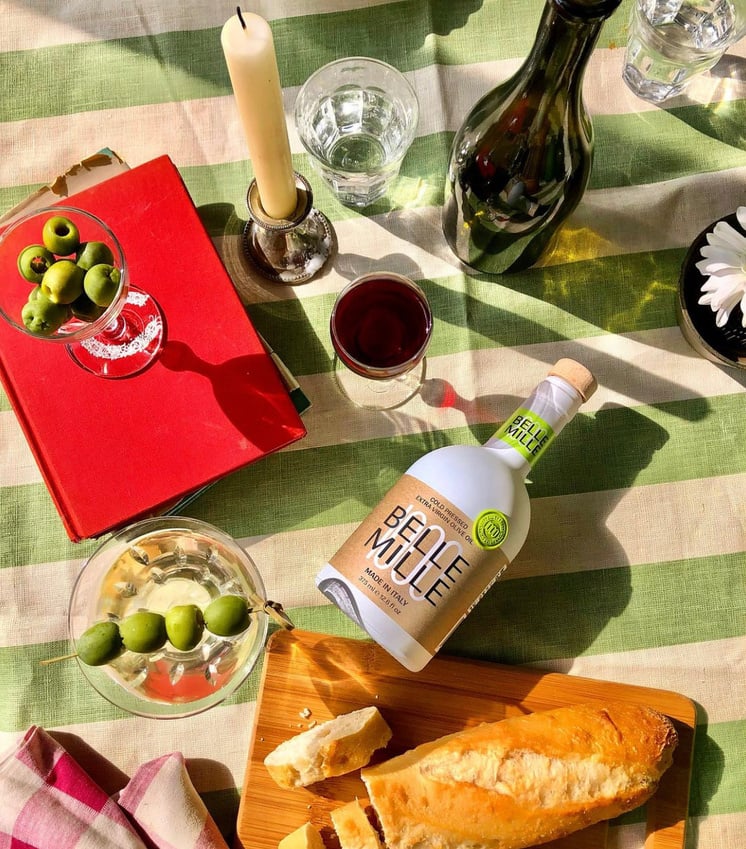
[490,529]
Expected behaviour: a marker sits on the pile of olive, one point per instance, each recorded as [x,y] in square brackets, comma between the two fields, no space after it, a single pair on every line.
[144,631]
[70,277]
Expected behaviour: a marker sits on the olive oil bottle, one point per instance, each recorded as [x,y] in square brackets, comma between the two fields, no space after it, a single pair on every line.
[521,161]
[444,533]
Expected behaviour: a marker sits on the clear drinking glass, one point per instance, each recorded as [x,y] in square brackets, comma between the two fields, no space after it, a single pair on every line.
[153,565]
[357,117]
[117,340]
[380,326]
[672,41]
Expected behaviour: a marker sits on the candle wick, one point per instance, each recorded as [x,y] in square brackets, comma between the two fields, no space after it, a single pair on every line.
[240,17]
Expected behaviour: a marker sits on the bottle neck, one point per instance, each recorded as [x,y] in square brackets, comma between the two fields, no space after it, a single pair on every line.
[565,39]
[525,436]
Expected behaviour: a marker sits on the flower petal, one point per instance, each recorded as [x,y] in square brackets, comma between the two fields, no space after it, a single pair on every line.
[718,253]
[741,217]
[722,318]
[710,266]
[729,236]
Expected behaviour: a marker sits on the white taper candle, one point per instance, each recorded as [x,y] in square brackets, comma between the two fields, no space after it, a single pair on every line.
[252,65]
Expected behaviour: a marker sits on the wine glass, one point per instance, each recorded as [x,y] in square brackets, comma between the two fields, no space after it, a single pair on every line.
[380,326]
[118,333]
[154,565]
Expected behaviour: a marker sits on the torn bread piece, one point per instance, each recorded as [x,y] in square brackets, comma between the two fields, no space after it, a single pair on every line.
[334,747]
[354,829]
[522,781]
[305,837]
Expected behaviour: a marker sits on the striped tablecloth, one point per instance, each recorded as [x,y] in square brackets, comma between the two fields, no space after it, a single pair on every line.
[634,566]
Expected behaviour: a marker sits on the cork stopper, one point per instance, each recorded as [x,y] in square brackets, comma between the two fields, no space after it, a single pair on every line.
[576,375]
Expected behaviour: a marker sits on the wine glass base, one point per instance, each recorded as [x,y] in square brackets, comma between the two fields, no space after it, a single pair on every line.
[129,344]
[379,394]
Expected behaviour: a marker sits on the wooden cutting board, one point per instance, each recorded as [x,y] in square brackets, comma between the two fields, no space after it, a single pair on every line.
[309,678]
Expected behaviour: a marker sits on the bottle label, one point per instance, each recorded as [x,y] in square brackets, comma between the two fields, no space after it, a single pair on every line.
[422,561]
[528,433]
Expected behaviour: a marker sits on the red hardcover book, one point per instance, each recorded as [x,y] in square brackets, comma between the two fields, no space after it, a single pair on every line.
[113,451]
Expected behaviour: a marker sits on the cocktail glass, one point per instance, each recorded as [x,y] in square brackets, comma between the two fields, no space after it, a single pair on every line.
[153,565]
[117,341]
[380,327]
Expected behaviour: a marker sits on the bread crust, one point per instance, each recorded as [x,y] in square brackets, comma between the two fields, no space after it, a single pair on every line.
[522,781]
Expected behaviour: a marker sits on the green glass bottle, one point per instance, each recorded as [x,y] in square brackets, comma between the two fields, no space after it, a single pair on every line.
[521,161]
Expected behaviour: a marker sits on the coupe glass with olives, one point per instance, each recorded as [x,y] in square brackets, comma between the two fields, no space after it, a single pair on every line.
[168,617]
[64,278]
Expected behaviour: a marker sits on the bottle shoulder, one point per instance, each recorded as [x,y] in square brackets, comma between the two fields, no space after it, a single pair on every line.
[472,469]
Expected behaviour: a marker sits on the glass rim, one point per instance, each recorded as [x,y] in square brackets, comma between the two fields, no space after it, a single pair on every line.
[301,108]
[87,329]
[381,372]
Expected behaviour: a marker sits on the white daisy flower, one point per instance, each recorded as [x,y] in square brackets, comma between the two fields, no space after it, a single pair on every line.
[724,266]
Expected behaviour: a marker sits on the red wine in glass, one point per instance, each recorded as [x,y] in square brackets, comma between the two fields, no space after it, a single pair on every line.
[380,328]
[381,325]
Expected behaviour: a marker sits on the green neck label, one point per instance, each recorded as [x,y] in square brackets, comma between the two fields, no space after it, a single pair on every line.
[528,433]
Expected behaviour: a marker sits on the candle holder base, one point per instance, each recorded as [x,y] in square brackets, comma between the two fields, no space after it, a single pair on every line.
[291,250]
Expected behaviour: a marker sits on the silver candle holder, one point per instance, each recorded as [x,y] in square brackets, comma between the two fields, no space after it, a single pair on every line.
[291,250]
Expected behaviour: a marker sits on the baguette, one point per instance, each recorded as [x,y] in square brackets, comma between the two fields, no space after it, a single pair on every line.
[353,827]
[335,747]
[522,781]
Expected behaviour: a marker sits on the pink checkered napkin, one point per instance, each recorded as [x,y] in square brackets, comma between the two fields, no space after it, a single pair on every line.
[161,799]
[48,802]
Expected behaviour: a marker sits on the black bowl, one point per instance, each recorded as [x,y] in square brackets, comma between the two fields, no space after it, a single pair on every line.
[725,345]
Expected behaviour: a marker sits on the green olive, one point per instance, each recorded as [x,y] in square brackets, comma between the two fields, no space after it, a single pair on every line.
[41,316]
[143,631]
[227,615]
[33,261]
[60,235]
[92,253]
[84,308]
[100,644]
[184,626]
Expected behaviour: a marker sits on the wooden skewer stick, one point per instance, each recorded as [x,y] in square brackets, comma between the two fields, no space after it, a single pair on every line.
[58,659]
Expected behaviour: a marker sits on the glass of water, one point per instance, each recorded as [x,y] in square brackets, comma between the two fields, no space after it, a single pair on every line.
[357,117]
[671,41]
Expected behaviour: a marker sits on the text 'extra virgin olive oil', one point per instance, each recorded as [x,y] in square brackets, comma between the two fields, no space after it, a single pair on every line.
[442,535]
[520,162]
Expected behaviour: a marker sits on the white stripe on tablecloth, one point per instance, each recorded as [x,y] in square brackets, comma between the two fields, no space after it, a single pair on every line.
[717,830]
[219,736]
[647,367]
[698,671]
[26,27]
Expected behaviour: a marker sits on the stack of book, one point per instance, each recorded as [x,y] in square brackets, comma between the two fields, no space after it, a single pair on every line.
[113,451]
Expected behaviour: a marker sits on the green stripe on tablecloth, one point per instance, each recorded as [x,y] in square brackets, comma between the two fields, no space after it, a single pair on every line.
[581,613]
[719,755]
[59,694]
[189,64]
[630,150]
[630,440]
